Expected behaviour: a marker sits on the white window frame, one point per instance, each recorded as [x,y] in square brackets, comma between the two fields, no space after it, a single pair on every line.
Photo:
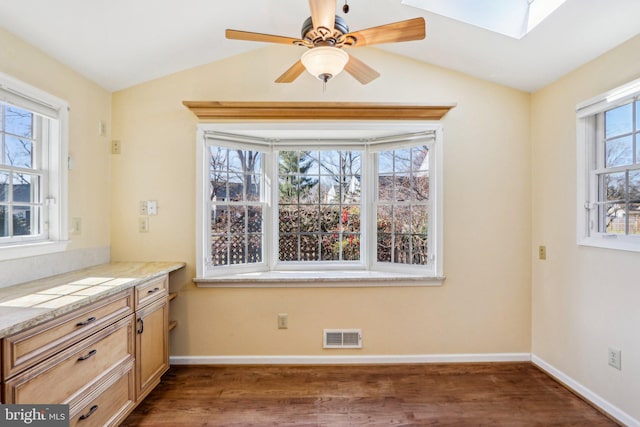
[270,270]
[55,151]
[588,115]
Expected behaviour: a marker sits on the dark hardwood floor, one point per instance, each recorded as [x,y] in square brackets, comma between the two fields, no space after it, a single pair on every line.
[488,394]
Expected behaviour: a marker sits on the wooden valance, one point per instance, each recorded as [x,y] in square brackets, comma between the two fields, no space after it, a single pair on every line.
[222,110]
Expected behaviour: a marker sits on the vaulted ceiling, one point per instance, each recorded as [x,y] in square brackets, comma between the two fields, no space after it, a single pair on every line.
[120,43]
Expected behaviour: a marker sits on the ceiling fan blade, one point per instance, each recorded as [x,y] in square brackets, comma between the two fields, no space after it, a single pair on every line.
[259,37]
[403,31]
[323,13]
[292,73]
[360,71]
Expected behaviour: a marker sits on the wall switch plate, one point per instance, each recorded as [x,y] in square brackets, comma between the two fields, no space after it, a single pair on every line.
[102,128]
[144,208]
[152,207]
[283,321]
[614,358]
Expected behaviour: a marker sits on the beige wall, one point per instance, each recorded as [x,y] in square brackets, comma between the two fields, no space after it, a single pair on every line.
[584,299]
[482,307]
[89,181]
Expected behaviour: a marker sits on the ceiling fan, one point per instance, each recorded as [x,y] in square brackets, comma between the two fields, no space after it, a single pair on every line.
[325,35]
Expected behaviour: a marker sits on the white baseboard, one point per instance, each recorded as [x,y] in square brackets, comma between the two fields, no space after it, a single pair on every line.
[587,394]
[349,360]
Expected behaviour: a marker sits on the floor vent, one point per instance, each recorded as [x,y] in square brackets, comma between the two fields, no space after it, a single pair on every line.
[343,338]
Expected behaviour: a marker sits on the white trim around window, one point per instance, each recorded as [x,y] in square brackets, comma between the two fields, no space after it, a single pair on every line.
[272,273]
[599,201]
[53,115]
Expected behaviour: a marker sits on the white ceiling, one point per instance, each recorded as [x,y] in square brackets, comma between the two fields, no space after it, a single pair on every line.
[119,43]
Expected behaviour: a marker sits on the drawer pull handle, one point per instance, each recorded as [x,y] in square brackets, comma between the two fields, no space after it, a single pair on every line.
[150,291]
[93,409]
[141,328]
[88,355]
[86,322]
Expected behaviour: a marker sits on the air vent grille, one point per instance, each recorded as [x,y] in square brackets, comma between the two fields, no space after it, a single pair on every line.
[342,338]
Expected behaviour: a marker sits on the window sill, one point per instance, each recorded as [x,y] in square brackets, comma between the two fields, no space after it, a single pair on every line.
[612,241]
[28,249]
[317,279]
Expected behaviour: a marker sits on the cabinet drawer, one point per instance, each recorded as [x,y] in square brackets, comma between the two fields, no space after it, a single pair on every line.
[24,349]
[109,404]
[151,290]
[64,376]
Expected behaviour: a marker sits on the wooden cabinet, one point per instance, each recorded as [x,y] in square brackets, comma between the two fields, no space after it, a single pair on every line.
[152,345]
[101,359]
[75,359]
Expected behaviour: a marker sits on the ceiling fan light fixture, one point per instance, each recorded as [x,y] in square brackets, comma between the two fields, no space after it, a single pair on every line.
[324,62]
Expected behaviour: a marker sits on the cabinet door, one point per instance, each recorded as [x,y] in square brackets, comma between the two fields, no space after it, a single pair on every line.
[152,346]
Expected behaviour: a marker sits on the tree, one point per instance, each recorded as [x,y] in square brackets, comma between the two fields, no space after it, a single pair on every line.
[293,167]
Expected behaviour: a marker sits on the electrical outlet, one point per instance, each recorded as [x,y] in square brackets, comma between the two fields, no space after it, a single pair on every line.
[283,321]
[614,358]
[116,146]
[542,252]
[143,224]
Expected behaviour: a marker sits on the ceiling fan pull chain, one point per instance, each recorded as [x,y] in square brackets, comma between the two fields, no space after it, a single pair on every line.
[345,8]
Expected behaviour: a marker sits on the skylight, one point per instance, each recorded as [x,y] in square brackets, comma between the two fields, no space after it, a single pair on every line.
[513,18]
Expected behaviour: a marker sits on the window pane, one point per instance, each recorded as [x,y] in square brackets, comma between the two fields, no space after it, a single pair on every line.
[18,152]
[402,160]
[634,186]
[634,218]
[288,219]
[351,219]
[237,220]
[402,249]
[18,122]
[4,221]
[619,120]
[385,187]
[419,219]
[351,247]
[615,218]
[309,249]
[420,188]
[255,219]
[4,186]
[219,219]
[419,249]
[237,249]
[619,151]
[614,187]
[383,253]
[310,218]
[252,183]
[23,221]
[330,247]
[25,188]
[219,250]
[288,247]
[218,158]
[254,248]
[401,219]
[384,219]
[402,186]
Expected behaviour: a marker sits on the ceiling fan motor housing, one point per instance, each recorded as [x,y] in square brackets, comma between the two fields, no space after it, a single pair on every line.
[322,36]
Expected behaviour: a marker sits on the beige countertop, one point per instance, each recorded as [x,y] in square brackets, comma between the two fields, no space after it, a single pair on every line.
[29,304]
